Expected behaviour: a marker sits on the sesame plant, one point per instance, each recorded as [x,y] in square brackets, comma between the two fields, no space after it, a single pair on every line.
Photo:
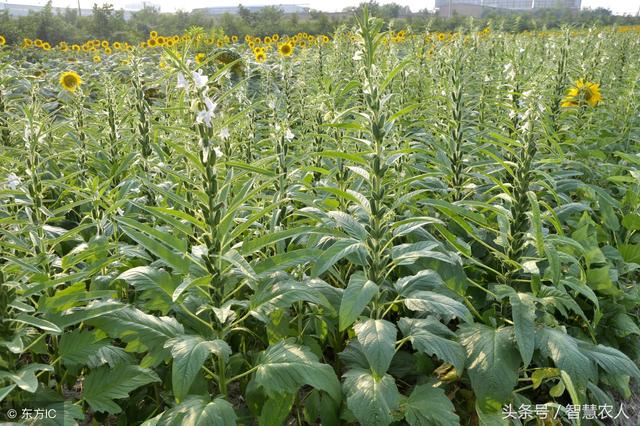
[375,227]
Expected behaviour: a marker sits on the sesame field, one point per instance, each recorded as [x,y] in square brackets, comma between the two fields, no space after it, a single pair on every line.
[371,227]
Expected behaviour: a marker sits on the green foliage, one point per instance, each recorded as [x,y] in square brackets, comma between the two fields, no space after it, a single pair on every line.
[385,228]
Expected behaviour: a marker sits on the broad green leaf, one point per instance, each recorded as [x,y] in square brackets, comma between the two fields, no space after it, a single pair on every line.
[430,336]
[371,400]
[200,411]
[423,280]
[609,359]
[276,409]
[523,312]
[6,391]
[189,354]
[429,406]
[377,338]
[103,385]
[149,278]
[492,363]
[355,298]
[286,366]
[142,332]
[333,254]
[429,302]
[566,355]
[25,378]
[76,347]
[38,323]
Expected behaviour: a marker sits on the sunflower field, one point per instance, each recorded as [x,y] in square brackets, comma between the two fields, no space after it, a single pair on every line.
[373,227]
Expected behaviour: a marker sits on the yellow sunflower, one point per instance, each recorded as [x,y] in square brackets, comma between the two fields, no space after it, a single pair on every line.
[285,49]
[97,59]
[153,34]
[583,93]
[260,56]
[200,57]
[70,81]
[3,40]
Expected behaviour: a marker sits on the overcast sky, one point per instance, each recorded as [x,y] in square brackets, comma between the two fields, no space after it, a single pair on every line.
[616,6]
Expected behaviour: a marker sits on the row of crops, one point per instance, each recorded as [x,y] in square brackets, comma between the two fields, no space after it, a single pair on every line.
[370,228]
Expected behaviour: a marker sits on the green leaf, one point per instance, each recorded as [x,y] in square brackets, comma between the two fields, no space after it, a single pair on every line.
[371,400]
[26,378]
[523,312]
[6,391]
[355,298]
[377,338]
[38,323]
[492,363]
[573,393]
[76,347]
[286,366]
[429,406]
[430,336]
[189,354]
[200,411]
[159,249]
[140,330]
[333,254]
[149,278]
[429,302]
[276,409]
[609,359]
[104,384]
[566,355]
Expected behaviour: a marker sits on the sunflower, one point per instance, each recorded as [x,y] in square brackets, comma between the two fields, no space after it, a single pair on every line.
[260,56]
[275,37]
[46,46]
[70,81]
[325,39]
[75,48]
[3,40]
[584,92]
[104,44]
[153,34]
[161,40]
[38,42]
[97,59]
[108,50]
[152,42]
[285,49]
[234,38]
[441,36]
[27,42]
[200,57]
[117,45]
[267,40]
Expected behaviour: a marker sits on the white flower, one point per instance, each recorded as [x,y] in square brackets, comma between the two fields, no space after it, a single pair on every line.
[224,134]
[13,181]
[288,135]
[182,82]
[199,79]
[207,114]
[218,152]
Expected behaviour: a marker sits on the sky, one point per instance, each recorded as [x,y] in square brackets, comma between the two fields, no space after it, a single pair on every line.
[616,6]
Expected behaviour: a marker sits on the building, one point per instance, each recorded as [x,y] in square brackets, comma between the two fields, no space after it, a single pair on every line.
[25,9]
[234,10]
[478,7]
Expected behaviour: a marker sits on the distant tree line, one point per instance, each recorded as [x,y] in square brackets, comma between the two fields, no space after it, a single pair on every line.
[105,22]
